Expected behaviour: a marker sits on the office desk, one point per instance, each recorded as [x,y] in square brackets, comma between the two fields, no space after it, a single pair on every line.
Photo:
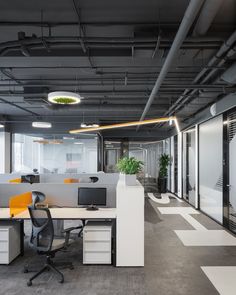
[62,214]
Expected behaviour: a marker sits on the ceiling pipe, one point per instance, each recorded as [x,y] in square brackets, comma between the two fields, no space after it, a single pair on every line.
[207,15]
[18,107]
[189,16]
[129,108]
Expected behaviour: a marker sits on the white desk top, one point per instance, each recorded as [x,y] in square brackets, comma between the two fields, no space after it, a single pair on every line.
[66,213]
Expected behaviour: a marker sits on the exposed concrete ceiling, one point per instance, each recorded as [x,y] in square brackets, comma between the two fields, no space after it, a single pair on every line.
[111,52]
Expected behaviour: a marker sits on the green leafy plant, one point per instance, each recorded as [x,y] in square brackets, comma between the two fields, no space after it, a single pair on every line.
[64,100]
[164,162]
[129,165]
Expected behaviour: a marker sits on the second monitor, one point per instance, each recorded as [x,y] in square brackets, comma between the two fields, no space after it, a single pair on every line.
[92,197]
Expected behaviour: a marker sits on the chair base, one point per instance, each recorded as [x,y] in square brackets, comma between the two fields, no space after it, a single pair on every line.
[50,265]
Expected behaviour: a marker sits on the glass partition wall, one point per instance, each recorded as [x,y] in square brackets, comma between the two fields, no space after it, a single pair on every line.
[230,170]
[211,168]
[54,155]
[149,153]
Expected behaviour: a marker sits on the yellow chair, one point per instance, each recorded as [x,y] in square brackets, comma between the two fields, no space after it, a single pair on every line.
[16,180]
[71,180]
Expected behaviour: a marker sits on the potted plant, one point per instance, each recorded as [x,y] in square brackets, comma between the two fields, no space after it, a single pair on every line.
[129,167]
[164,162]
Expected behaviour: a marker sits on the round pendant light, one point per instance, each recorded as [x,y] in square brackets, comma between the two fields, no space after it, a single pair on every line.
[64,97]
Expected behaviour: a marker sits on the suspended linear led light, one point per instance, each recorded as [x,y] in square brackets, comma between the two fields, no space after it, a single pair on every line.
[64,97]
[128,124]
[55,141]
[42,124]
[1,126]
[92,125]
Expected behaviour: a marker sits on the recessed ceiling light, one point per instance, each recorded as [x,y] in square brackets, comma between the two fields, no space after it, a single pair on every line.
[92,125]
[66,137]
[64,97]
[42,124]
[1,126]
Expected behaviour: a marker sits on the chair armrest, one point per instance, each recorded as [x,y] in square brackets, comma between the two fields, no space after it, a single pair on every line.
[69,229]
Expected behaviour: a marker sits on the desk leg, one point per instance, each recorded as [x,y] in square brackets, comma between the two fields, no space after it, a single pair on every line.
[114,242]
[22,237]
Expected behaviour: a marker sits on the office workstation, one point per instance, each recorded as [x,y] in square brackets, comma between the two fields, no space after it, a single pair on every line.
[117,147]
[84,203]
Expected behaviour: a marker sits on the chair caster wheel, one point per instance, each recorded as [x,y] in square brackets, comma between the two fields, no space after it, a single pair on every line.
[29,283]
[61,281]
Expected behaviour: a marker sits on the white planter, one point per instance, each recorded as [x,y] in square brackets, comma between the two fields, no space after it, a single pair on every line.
[128,179]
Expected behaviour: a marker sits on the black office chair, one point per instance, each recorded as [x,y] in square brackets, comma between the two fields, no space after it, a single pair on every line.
[43,240]
[37,197]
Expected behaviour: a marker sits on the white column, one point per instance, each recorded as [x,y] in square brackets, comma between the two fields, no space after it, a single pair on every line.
[5,152]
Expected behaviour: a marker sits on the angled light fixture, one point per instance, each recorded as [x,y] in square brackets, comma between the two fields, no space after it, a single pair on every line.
[40,124]
[1,125]
[64,97]
[129,124]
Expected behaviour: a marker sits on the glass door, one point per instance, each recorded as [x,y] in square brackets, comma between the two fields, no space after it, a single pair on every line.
[189,158]
[230,183]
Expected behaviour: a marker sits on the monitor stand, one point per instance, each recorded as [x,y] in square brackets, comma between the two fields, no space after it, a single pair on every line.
[92,208]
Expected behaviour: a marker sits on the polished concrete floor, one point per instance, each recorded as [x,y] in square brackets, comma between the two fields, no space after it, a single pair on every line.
[170,267]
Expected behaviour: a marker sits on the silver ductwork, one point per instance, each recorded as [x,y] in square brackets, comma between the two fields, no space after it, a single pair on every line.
[207,15]
[229,76]
[188,19]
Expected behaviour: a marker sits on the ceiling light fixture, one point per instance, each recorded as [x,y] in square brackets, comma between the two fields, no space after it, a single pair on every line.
[77,142]
[42,124]
[56,141]
[43,141]
[129,124]
[64,97]
[92,125]
[1,126]
[68,138]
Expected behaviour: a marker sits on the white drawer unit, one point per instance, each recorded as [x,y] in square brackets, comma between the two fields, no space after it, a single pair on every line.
[9,243]
[97,238]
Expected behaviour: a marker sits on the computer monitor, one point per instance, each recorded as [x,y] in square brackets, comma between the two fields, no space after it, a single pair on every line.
[30,178]
[91,197]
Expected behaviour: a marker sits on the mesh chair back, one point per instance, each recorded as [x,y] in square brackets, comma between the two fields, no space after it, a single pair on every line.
[42,229]
[37,197]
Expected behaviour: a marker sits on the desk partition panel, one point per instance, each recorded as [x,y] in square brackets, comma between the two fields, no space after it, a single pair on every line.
[19,203]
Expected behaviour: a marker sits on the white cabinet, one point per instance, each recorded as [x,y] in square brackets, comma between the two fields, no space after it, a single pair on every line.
[9,243]
[97,243]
